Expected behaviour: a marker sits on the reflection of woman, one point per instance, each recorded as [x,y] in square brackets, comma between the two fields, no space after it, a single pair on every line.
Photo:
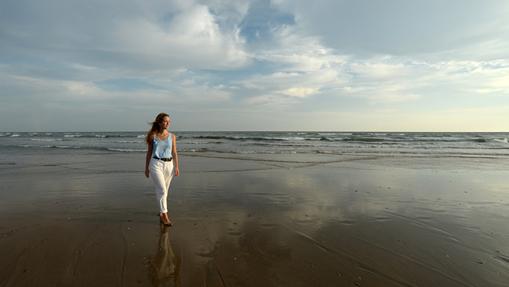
[161,162]
[164,266]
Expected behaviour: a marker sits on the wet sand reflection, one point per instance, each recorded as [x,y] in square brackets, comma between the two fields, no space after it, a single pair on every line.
[165,265]
[378,223]
[342,225]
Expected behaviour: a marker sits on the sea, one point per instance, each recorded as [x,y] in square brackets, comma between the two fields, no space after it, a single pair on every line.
[487,145]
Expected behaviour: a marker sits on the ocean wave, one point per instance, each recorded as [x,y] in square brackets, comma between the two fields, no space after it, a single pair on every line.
[242,138]
[457,140]
[125,150]
[128,141]
[45,139]
[112,136]
[334,134]
[286,136]
[280,144]
[103,136]
[271,142]
[193,150]
[70,147]
[326,139]
[95,148]
[363,139]
[504,140]
[382,150]
[65,147]
[202,143]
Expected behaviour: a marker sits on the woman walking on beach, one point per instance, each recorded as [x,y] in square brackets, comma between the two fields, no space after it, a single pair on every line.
[161,162]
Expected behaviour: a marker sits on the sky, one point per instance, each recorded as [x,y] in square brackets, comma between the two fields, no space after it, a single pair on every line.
[323,65]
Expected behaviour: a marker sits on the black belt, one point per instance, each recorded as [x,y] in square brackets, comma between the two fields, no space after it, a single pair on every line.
[163,159]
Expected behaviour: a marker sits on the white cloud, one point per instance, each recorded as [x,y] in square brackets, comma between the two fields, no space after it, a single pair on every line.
[191,39]
[401,27]
[196,55]
[304,68]
[159,36]
[379,69]
[299,92]
[400,79]
[39,90]
[472,78]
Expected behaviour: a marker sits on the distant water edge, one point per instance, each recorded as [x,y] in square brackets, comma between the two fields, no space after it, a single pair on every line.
[393,143]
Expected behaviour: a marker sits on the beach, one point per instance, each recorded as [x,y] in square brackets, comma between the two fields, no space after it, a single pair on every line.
[90,219]
[320,143]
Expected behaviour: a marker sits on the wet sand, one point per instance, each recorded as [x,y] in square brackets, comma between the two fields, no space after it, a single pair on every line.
[89,219]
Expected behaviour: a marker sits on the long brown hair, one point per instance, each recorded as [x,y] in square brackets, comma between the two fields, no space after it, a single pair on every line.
[157,127]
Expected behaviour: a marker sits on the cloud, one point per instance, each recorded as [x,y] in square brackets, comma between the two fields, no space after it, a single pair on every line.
[191,39]
[379,69]
[400,27]
[100,34]
[292,58]
[304,67]
[299,92]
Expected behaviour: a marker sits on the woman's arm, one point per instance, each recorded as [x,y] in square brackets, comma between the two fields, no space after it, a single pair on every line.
[148,157]
[175,156]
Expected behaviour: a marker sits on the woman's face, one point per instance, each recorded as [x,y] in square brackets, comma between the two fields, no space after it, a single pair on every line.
[166,122]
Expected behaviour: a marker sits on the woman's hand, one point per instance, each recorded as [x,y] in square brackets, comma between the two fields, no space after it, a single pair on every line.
[177,172]
[146,172]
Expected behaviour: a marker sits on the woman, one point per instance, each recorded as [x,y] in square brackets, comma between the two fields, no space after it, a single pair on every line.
[161,162]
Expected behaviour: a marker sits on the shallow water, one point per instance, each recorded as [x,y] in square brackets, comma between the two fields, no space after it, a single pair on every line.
[267,143]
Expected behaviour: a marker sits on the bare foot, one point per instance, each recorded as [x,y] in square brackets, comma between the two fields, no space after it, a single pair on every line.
[164,219]
[168,220]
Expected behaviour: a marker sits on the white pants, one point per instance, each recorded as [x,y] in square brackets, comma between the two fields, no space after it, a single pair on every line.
[161,173]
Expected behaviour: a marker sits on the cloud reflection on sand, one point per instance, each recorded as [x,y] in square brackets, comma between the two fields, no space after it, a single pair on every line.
[352,219]
[371,222]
